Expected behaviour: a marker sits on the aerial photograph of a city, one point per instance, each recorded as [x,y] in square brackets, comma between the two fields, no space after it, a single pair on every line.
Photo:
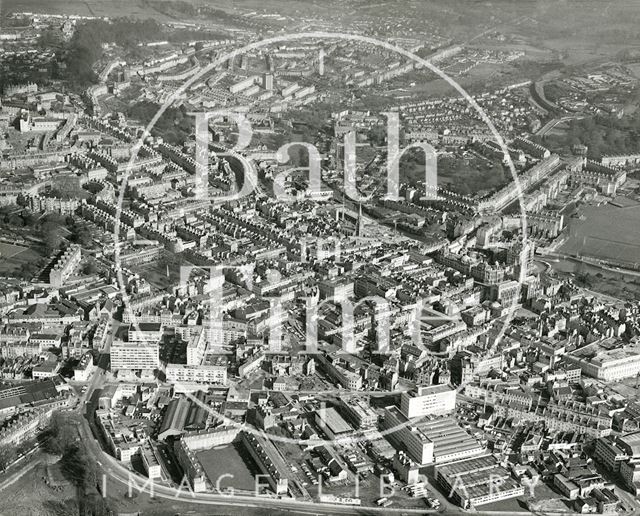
[319,257]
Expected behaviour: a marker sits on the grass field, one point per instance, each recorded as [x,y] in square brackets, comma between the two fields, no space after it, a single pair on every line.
[12,257]
[156,273]
[606,232]
[30,495]
[10,250]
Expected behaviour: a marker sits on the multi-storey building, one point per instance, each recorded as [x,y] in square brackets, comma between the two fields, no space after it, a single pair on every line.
[510,193]
[436,439]
[207,374]
[431,400]
[600,176]
[500,393]
[64,266]
[507,293]
[196,346]
[26,425]
[532,149]
[123,442]
[348,379]
[359,413]
[562,416]
[140,256]
[191,443]
[611,452]
[336,290]
[546,224]
[607,360]
[134,355]
[477,481]
[622,160]
[269,461]
[404,435]
[630,474]
[150,462]
[39,203]
[85,368]
[145,332]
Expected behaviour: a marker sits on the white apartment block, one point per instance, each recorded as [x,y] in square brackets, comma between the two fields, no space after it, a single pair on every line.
[179,373]
[134,355]
[196,347]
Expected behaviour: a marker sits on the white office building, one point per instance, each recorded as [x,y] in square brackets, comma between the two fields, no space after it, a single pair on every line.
[426,401]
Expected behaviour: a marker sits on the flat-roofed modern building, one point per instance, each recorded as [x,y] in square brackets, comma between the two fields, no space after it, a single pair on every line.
[407,437]
[359,413]
[150,461]
[336,290]
[477,481]
[621,455]
[332,423]
[183,373]
[450,440]
[436,439]
[630,473]
[134,355]
[608,360]
[145,332]
[425,401]
[196,346]
[610,453]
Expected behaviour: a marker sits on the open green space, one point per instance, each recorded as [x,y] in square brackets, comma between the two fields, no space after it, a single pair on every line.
[605,232]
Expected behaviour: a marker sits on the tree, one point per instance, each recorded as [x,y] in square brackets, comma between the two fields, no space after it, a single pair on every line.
[49,38]
[16,220]
[52,241]
[90,267]
[81,235]
[59,436]
[96,505]
[30,218]
[7,455]
[28,270]
[377,135]
[75,465]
